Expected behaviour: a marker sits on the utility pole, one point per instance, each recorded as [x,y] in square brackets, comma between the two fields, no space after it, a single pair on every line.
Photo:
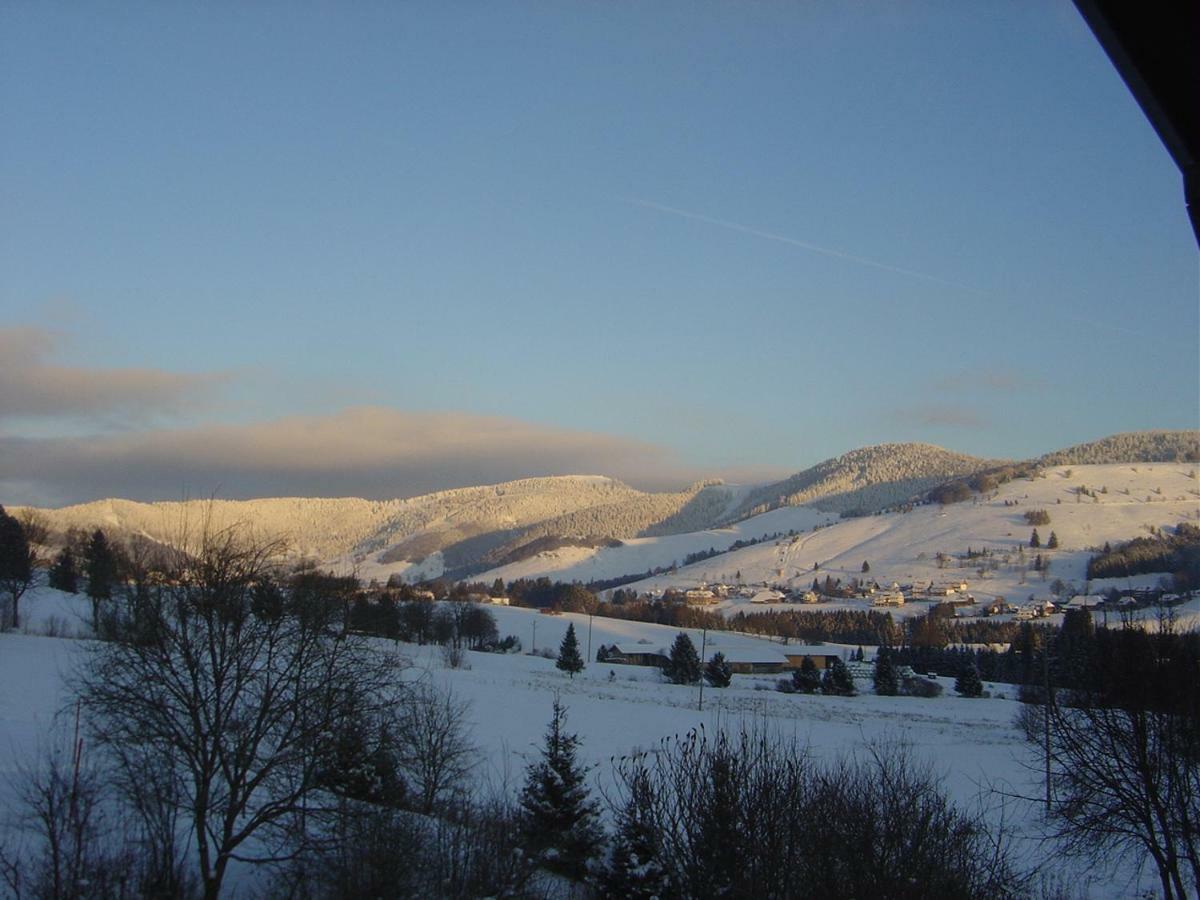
[589,653]
[1046,714]
[534,648]
[703,650]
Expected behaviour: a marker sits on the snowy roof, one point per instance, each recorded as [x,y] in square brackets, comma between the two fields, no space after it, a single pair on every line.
[750,655]
[629,649]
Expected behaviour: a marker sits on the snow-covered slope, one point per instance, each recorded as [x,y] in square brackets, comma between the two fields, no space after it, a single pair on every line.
[865,480]
[460,525]
[617,710]
[1123,502]
[638,555]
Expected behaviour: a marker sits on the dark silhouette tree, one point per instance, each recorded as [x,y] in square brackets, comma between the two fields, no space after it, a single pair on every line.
[1052,543]
[100,566]
[866,566]
[717,671]
[968,683]
[569,658]
[16,563]
[837,680]
[635,870]
[683,665]
[806,679]
[559,819]
[886,676]
[258,709]
[64,573]
[1034,540]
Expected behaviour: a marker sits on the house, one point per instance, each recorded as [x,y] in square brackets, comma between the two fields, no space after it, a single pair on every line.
[752,661]
[888,598]
[767,596]
[1086,601]
[640,654]
[423,595]
[795,658]
[700,597]
[805,597]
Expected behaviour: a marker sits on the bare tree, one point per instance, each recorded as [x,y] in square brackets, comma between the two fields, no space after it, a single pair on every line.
[435,750]
[1122,751]
[72,851]
[239,695]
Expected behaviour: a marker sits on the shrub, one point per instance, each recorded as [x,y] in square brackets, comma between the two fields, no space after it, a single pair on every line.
[920,687]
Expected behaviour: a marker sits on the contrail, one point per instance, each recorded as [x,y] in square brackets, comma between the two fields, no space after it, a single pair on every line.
[804,245]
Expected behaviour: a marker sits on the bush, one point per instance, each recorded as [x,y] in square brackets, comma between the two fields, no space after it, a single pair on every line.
[920,687]
[1037,517]
[749,815]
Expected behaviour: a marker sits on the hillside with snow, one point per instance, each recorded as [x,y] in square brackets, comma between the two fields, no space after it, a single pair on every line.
[591,527]
[1087,507]
[864,480]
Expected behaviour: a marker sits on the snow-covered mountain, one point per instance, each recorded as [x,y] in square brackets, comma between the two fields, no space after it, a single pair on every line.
[584,527]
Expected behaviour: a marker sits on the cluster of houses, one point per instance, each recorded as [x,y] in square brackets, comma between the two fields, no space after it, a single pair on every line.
[873,592]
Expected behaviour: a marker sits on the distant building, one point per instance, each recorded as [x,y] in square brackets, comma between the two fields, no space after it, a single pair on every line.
[795,657]
[639,655]
[767,596]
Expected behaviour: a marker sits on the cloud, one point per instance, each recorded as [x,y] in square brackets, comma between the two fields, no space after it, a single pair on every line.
[995,381]
[939,416]
[33,387]
[364,451]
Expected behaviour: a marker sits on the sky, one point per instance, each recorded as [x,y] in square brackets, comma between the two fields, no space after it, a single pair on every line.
[380,248]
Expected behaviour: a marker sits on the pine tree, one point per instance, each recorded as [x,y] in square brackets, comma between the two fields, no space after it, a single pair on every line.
[16,563]
[717,671]
[968,683]
[635,870]
[559,820]
[866,566]
[1052,543]
[806,679]
[1034,540]
[887,677]
[683,666]
[100,566]
[64,574]
[569,659]
[837,680]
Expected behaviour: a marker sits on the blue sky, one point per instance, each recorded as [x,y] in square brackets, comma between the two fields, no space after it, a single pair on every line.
[593,221]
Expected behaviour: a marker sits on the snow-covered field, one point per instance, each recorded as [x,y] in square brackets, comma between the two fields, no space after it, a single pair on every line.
[616,710]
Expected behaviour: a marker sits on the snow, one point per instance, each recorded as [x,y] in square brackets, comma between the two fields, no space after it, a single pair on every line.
[903,546]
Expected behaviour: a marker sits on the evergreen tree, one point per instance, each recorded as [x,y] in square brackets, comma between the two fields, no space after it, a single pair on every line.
[1034,540]
[64,574]
[498,588]
[635,870]
[1052,543]
[569,659]
[100,566]
[968,683]
[806,679]
[683,666]
[887,677]
[866,567]
[559,820]
[717,671]
[837,680]
[16,563]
